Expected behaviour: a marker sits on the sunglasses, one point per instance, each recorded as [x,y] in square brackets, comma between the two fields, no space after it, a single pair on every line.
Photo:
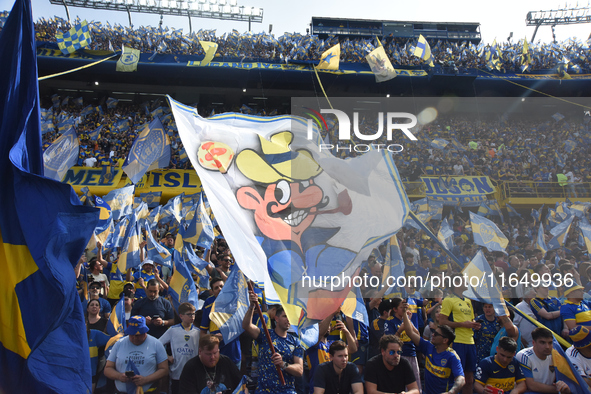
[436,334]
[393,352]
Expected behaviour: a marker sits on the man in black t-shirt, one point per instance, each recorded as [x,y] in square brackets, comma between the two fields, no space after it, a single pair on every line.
[209,370]
[388,372]
[338,376]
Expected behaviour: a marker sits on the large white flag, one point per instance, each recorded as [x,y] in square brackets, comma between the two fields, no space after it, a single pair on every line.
[294,217]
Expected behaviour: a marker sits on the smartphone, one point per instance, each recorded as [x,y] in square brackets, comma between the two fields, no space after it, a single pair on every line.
[129,374]
[155,317]
[480,321]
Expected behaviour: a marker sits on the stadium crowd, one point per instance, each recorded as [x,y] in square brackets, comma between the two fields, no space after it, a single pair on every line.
[418,339]
[430,340]
[527,151]
[501,57]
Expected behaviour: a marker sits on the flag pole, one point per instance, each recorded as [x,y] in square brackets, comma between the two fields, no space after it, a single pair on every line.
[266,330]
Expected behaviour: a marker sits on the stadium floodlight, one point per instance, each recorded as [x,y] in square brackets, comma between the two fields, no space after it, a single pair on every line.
[562,16]
[213,9]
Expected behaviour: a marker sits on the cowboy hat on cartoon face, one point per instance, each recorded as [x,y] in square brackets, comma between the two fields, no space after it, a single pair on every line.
[291,200]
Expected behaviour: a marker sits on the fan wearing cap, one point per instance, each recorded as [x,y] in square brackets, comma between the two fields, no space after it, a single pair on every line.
[146,352]
[580,352]
[142,277]
[575,311]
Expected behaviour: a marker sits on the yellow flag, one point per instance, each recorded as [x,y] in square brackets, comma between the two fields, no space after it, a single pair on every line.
[380,65]
[210,48]
[129,59]
[330,59]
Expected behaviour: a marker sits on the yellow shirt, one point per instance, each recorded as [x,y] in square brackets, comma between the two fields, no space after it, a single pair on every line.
[459,310]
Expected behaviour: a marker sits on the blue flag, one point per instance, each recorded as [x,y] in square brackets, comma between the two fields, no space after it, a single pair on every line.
[197,265]
[540,240]
[182,287]
[95,134]
[199,230]
[43,232]
[487,234]
[157,252]
[241,389]
[120,201]
[482,284]
[151,150]
[61,155]
[393,267]
[116,323]
[151,198]
[566,372]
[559,233]
[230,306]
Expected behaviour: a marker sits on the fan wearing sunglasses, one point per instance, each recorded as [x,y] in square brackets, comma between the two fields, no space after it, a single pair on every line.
[388,372]
[443,369]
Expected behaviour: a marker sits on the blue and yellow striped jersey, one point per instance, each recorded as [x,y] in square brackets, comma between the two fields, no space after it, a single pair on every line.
[581,313]
[441,369]
[490,372]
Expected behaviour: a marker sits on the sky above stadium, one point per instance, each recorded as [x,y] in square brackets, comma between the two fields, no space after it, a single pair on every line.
[497,18]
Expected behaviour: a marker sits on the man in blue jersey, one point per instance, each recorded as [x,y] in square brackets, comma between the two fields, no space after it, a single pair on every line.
[288,354]
[231,349]
[443,369]
[501,371]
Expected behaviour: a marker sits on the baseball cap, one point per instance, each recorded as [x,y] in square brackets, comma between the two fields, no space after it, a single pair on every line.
[136,325]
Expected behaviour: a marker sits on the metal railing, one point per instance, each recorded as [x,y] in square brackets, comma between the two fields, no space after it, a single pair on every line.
[533,189]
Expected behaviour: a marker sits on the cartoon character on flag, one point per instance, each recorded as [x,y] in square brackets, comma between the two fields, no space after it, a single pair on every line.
[285,201]
[294,215]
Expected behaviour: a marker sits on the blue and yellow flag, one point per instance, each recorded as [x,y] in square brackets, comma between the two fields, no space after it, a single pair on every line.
[112,103]
[116,323]
[330,59]
[150,151]
[94,135]
[511,211]
[482,284]
[120,201]
[61,155]
[196,265]
[129,60]
[393,267]
[182,287]
[585,228]
[199,230]
[229,308]
[43,233]
[487,234]
[559,233]
[439,143]
[78,37]
[423,51]
[105,225]
[541,240]
[241,389]
[380,64]
[566,372]
[130,256]
[157,252]
[151,198]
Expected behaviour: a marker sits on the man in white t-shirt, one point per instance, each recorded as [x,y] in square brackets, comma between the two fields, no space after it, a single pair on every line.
[580,353]
[146,352]
[184,343]
[537,366]
[90,162]
[523,325]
